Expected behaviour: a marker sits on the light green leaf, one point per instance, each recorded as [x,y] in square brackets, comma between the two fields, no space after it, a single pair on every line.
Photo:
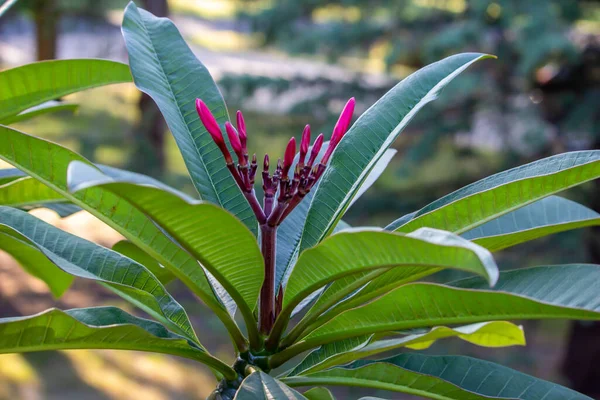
[368,139]
[164,67]
[554,292]
[220,242]
[544,217]
[319,393]
[97,328]
[260,386]
[48,162]
[45,108]
[130,250]
[33,84]
[36,264]
[499,194]
[23,192]
[440,377]
[486,334]
[84,259]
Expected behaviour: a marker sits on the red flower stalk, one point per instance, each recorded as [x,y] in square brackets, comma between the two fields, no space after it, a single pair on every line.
[281,194]
[211,125]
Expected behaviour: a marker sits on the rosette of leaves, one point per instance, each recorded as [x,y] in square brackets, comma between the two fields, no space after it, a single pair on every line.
[342,295]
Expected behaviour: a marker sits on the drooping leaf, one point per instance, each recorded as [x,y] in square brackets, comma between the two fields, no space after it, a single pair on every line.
[486,334]
[554,292]
[164,67]
[97,328]
[260,386]
[84,259]
[440,377]
[48,162]
[368,139]
[223,245]
[544,217]
[33,84]
[45,108]
[36,264]
[352,252]
[499,194]
[130,250]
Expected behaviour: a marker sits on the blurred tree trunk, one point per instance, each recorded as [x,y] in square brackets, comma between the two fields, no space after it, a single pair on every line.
[46,21]
[149,133]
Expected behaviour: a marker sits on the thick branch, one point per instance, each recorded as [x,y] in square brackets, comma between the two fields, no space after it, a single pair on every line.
[267,292]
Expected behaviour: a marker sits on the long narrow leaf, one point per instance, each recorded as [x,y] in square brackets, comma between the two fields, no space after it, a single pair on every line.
[164,67]
[84,259]
[260,386]
[367,140]
[499,194]
[563,291]
[440,377]
[544,217]
[97,328]
[33,84]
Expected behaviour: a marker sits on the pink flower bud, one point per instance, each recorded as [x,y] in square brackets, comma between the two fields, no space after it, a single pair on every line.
[234,140]
[315,149]
[304,144]
[288,158]
[209,122]
[241,126]
[343,122]
[266,163]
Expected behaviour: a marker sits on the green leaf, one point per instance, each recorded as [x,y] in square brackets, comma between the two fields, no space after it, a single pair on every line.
[492,197]
[36,264]
[23,192]
[164,67]
[392,278]
[440,377]
[33,84]
[220,242]
[563,291]
[97,328]
[319,393]
[290,231]
[84,259]
[10,174]
[349,252]
[369,137]
[544,217]
[130,250]
[45,108]
[260,386]
[48,162]
[486,334]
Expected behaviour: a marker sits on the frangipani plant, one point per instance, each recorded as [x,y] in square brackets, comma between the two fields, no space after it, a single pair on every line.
[301,279]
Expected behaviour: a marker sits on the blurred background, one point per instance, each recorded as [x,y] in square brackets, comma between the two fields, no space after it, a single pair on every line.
[291,62]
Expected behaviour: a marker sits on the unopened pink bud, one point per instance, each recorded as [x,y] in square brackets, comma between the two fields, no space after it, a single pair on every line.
[241,127]
[315,149]
[209,122]
[304,144]
[288,158]
[341,127]
[234,140]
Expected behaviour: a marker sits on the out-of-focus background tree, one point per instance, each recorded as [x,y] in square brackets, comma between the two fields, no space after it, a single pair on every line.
[291,62]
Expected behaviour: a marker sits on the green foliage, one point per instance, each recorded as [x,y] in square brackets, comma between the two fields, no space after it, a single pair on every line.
[361,282]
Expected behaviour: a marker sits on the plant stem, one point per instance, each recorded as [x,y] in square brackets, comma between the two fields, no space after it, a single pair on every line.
[267,292]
